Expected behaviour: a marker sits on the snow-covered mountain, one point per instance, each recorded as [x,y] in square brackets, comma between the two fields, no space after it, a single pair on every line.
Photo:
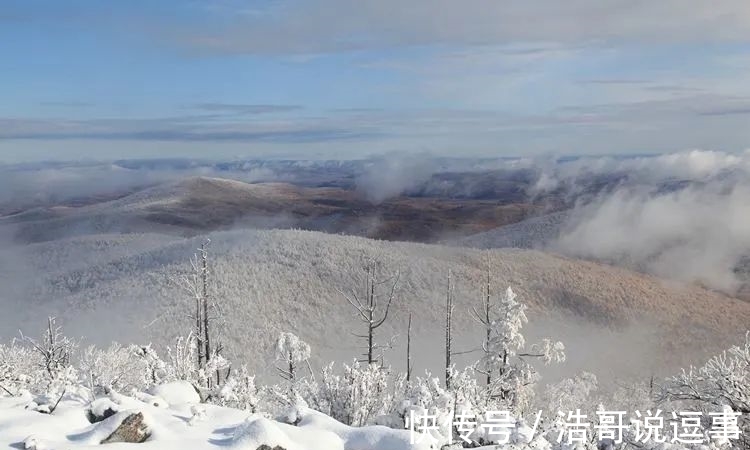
[124,287]
[535,232]
[196,205]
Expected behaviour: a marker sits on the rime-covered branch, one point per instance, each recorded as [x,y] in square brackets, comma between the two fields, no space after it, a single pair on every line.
[369,304]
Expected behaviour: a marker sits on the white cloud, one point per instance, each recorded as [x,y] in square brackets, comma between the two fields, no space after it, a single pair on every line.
[391,175]
[696,234]
[652,222]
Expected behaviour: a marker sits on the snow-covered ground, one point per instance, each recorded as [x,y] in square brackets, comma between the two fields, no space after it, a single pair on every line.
[183,425]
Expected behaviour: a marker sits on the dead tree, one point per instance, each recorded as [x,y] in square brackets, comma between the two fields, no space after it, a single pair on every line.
[198,284]
[408,350]
[369,305]
[204,295]
[449,295]
[483,315]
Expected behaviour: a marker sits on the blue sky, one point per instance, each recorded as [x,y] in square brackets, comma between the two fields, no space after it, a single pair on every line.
[336,78]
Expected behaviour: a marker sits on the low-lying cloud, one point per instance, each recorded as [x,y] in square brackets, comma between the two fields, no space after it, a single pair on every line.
[391,175]
[693,165]
[684,216]
[696,234]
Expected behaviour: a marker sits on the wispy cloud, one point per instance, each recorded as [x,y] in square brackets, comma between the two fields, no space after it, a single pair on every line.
[67,104]
[176,131]
[244,109]
[613,81]
[661,124]
[728,111]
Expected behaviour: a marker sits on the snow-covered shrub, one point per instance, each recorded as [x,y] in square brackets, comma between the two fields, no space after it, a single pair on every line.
[181,360]
[465,397]
[211,373]
[155,370]
[115,368]
[53,388]
[180,363]
[239,391]
[356,396]
[52,374]
[19,369]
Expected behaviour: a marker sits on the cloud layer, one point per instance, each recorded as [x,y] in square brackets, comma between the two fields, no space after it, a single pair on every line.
[684,216]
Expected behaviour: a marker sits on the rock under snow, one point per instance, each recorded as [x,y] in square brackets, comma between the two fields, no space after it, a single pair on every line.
[132,429]
[100,409]
[258,433]
[373,437]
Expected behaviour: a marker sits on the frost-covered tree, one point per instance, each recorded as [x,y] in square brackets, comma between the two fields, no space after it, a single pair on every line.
[449,308]
[578,393]
[54,348]
[723,382]
[206,316]
[570,393]
[291,351]
[506,360]
[372,304]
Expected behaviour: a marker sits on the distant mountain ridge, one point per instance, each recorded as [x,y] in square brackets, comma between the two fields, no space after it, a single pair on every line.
[195,205]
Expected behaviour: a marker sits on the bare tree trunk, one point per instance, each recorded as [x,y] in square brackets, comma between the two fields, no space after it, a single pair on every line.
[487,303]
[206,307]
[291,367]
[52,344]
[370,329]
[204,280]
[369,308]
[199,332]
[408,350]
[448,331]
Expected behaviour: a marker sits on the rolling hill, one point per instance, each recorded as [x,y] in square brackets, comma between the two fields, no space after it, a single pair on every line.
[124,287]
[535,232]
[198,204]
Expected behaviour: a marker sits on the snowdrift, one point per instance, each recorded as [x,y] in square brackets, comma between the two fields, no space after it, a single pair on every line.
[183,426]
